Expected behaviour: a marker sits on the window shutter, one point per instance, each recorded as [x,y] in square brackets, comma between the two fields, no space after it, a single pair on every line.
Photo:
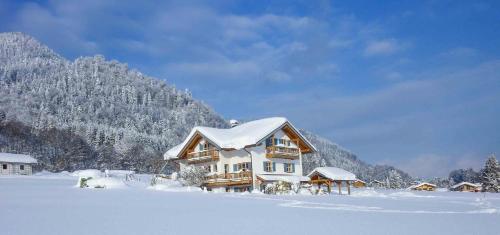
[284,167]
[235,167]
[274,166]
[293,167]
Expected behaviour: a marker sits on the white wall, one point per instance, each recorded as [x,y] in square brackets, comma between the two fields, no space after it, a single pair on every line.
[259,156]
[15,169]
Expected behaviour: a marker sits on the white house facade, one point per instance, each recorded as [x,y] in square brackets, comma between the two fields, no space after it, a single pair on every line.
[245,156]
[16,164]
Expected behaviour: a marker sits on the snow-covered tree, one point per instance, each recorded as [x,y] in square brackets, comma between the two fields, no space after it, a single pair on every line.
[395,180]
[490,175]
[192,175]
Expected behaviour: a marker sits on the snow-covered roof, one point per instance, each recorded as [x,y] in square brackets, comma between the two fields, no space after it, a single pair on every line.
[173,152]
[286,178]
[238,137]
[422,184]
[358,180]
[465,183]
[17,158]
[333,173]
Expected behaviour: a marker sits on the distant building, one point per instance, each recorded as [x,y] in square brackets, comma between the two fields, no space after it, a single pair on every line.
[466,187]
[359,183]
[424,187]
[16,164]
[329,176]
[377,184]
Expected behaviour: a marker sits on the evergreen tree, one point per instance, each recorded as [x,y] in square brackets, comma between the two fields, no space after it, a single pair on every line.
[395,180]
[490,175]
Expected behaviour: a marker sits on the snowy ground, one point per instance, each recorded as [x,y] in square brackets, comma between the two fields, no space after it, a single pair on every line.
[50,204]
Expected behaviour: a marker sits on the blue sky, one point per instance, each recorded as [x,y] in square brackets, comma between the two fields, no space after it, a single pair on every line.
[415,84]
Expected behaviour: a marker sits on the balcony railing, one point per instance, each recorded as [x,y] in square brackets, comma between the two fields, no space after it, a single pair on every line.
[203,156]
[282,152]
[230,178]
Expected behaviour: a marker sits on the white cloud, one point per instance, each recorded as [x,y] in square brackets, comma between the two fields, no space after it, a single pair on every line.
[382,47]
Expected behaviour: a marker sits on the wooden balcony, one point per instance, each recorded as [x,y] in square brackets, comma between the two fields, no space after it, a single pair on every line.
[203,156]
[282,152]
[229,179]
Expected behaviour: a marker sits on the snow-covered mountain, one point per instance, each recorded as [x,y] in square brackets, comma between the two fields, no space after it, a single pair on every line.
[93,113]
[122,115]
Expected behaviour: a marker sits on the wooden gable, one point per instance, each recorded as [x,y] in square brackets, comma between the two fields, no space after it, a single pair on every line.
[297,138]
[191,145]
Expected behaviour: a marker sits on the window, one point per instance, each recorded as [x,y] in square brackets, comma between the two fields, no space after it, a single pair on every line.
[242,166]
[246,165]
[209,168]
[289,167]
[4,166]
[269,166]
[269,142]
[21,167]
[215,167]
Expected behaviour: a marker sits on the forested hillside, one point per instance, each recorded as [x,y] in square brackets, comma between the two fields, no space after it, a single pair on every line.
[123,115]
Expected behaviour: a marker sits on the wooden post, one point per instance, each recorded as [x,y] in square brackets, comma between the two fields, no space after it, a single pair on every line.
[340,188]
[348,188]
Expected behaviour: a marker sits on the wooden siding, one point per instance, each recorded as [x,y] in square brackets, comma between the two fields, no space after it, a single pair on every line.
[282,152]
[203,156]
[359,184]
[425,187]
[229,179]
[467,188]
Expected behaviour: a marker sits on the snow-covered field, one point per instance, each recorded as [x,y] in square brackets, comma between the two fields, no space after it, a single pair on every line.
[51,204]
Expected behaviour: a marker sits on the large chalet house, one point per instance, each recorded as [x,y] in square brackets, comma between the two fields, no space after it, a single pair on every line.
[246,156]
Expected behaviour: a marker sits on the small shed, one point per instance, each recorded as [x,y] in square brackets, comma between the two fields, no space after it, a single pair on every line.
[332,175]
[359,183]
[424,187]
[466,187]
[16,164]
